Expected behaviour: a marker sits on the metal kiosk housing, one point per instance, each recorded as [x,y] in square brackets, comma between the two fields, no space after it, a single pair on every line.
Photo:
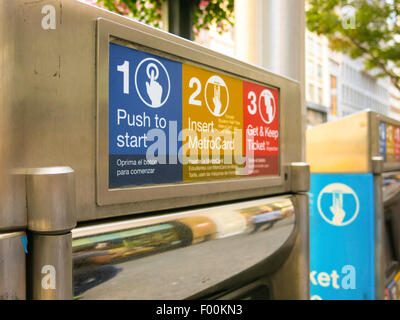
[346,151]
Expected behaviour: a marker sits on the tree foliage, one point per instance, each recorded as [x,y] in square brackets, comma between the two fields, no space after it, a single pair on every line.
[206,13]
[367,29]
[217,12]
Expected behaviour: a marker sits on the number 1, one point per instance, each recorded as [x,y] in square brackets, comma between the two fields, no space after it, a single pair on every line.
[125,69]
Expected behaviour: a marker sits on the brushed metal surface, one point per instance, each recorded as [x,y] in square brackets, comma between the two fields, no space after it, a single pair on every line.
[348,145]
[378,237]
[13,213]
[50,108]
[340,146]
[192,254]
[291,281]
[300,176]
[12,266]
[377,165]
[12,188]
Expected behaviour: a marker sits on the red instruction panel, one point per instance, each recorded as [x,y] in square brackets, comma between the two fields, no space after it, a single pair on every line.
[261,129]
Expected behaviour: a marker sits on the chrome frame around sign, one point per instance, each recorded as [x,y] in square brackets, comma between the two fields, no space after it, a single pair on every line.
[106,31]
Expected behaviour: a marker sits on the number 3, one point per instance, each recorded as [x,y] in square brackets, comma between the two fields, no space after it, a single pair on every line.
[253,107]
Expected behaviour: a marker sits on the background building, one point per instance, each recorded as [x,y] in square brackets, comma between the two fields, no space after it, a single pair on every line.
[317,79]
[267,33]
[337,86]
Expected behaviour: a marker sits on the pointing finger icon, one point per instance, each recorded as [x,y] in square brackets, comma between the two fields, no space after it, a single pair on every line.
[152,72]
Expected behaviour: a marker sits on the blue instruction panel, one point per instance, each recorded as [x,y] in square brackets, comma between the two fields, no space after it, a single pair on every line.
[342,237]
[145,117]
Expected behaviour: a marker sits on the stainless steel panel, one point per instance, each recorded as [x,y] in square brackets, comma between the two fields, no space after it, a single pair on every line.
[348,145]
[340,146]
[379,221]
[12,266]
[291,280]
[377,165]
[12,188]
[50,106]
[13,214]
[50,267]
[192,254]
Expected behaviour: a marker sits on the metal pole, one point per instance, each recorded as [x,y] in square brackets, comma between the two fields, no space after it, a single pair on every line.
[291,281]
[51,217]
[379,221]
[271,34]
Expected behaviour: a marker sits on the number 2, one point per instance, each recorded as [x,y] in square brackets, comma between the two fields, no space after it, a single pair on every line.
[192,99]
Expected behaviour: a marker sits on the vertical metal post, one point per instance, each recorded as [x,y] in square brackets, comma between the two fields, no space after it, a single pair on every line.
[299,177]
[379,220]
[51,273]
[291,281]
[12,266]
[51,217]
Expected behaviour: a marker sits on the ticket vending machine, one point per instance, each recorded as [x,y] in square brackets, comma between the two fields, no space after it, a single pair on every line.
[141,165]
[354,217]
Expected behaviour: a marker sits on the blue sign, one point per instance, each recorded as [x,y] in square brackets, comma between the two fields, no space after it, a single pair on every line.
[382,140]
[145,118]
[342,237]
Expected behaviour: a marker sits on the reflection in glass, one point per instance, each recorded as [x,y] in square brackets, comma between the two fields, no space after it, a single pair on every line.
[186,252]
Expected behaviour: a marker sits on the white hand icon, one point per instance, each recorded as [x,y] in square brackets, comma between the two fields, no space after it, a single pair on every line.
[337,208]
[216,100]
[269,108]
[154,90]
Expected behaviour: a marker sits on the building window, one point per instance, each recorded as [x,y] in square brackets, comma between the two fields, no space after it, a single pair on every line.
[311,92]
[319,71]
[333,96]
[310,44]
[320,96]
[318,48]
[310,69]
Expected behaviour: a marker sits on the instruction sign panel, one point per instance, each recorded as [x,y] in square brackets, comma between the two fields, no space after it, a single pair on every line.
[171,122]
[342,237]
[145,114]
[212,123]
[261,128]
[389,142]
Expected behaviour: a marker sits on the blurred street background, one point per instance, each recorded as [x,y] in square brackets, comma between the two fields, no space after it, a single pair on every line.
[350,48]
